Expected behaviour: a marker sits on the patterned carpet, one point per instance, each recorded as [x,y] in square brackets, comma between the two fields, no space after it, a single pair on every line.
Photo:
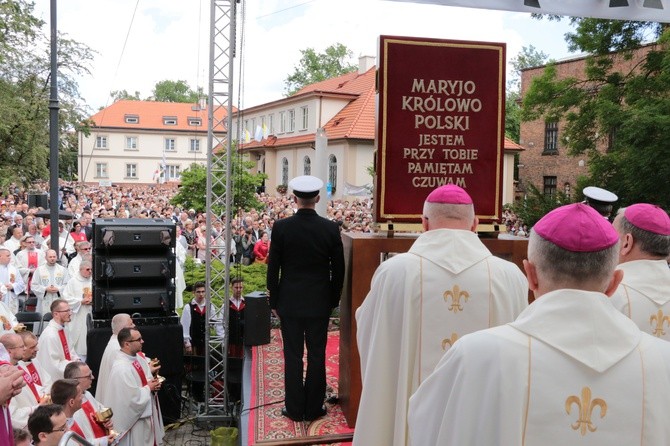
[266,424]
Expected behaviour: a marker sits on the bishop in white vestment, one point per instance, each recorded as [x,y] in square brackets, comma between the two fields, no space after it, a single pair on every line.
[569,370]
[644,293]
[447,285]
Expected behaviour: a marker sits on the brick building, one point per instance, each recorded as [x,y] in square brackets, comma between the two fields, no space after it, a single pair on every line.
[545,162]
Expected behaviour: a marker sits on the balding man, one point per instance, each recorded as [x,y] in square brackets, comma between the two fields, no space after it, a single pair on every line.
[32,394]
[28,259]
[420,302]
[644,293]
[569,370]
[83,252]
[49,280]
[30,363]
[119,321]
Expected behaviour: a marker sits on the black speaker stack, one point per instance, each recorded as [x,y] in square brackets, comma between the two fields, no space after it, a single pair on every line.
[134,267]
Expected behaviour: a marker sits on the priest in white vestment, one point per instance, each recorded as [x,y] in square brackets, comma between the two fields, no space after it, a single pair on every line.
[29,362]
[447,285]
[49,280]
[8,319]
[119,321]
[83,253]
[28,259]
[644,292]
[130,394]
[94,431]
[31,395]
[11,282]
[570,370]
[79,294]
[55,349]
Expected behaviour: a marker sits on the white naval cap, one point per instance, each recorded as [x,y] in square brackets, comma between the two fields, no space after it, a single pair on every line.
[305,186]
[599,194]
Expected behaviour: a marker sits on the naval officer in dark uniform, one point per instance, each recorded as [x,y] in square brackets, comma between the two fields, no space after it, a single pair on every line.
[305,276]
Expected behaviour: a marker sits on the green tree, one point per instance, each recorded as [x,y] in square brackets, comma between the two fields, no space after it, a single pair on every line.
[536,204]
[121,95]
[528,57]
[316,67]
[175,91]
[192,192]
[24,95]
[615,113]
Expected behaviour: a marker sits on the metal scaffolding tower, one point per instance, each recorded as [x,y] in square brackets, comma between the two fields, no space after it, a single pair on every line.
[219,200]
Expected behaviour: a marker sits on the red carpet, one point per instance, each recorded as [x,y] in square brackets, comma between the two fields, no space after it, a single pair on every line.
[266,424]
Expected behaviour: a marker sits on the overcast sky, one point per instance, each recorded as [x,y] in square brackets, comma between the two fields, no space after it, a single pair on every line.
[169,39]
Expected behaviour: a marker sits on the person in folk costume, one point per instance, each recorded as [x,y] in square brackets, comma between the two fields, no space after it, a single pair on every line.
[130,394]
[194,323]
[11,282]
[32,394]
[236,337]
[93,430]
[79,295]
[571,369]
[55,349]
[447,285]
[644,292]
[49,280]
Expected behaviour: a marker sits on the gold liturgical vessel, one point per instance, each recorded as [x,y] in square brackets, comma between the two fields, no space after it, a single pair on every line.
[104,416]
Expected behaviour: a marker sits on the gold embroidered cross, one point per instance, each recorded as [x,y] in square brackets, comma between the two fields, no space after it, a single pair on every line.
[456,293]
[585,406]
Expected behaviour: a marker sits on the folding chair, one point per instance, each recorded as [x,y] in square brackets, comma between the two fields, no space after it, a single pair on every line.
[31,319]
[195,379]
[45,320]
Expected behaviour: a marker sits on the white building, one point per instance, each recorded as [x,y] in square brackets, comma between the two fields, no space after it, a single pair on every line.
[140,142]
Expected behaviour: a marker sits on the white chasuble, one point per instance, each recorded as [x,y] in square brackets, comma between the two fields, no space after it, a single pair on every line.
[644,296]
[419,304]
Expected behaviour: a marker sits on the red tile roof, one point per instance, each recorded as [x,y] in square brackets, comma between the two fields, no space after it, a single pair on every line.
[355,121]
[151,114]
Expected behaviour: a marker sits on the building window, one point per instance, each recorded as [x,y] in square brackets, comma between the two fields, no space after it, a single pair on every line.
[291,120]
[169,120]
[173,172]
[131,170]
[194,145]
[131,142]
[549,186]
[132,119]
[282,122]
[100,142]
[332,172]
[307,166]
[101,170]
[550,138]
[284,171]
[170,145]
[271,125]
[304,119]
[195,122]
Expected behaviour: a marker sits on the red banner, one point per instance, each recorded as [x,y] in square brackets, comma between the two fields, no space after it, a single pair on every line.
[440,121]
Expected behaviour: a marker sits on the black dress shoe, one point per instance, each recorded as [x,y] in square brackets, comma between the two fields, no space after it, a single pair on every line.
[285,413]
[318,415]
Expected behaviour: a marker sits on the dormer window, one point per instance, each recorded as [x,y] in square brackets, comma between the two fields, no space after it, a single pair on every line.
[132,119]
[195,121]
[169,120]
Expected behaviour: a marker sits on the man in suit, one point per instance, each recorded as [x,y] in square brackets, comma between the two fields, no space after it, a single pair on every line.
[306,251]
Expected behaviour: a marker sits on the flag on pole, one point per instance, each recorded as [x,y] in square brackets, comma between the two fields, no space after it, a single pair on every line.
[265,130]
[258,135]
[247,136]
[163,169]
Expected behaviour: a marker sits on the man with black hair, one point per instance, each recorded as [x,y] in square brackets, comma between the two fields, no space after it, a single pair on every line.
[47,425]
[194,321]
